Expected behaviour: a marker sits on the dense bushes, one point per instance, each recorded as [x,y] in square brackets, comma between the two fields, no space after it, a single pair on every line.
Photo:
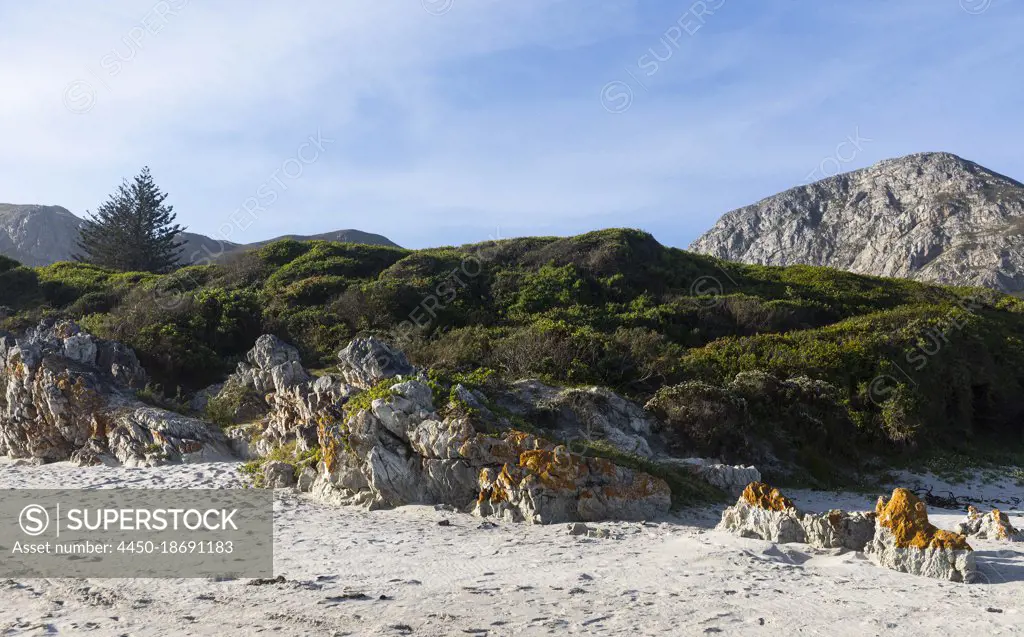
[852,362]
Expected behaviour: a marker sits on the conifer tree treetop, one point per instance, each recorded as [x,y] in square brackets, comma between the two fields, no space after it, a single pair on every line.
[133,230]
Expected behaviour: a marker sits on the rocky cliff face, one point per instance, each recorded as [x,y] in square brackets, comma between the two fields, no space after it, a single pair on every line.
[930,217]
[37,235]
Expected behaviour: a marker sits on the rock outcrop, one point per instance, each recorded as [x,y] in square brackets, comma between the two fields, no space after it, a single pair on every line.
[732,479]
[763,512]
[383,442]
[994,525]
[906,541]
[271,386]
[66,395]
[931,217]
[584,414]
[367,361]
[401,451]
[839,529]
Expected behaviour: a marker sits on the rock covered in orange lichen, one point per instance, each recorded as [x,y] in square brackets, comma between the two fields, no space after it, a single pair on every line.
[994,525]
[906,541]
[547,483]
[763,496]
[907,517]
[763,512]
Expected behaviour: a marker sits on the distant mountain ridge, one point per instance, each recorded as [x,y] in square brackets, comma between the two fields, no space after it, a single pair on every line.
[38,235]
[930,216]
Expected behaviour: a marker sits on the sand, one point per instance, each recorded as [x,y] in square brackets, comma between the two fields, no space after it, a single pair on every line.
[352,572]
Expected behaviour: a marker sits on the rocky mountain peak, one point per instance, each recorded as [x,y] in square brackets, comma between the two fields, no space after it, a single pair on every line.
[928,216]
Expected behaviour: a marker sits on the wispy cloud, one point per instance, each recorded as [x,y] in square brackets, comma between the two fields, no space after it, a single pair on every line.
[453,118]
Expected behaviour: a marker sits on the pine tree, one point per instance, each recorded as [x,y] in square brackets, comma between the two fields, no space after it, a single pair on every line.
[133,230]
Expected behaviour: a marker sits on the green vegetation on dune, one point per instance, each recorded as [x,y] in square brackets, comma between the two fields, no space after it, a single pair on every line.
[849,365]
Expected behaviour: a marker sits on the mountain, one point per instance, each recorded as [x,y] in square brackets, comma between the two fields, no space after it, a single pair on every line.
[37,235]
[339,236]
[40,235]
[930,216]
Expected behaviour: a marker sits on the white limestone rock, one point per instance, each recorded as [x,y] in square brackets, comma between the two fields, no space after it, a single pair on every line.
[839,529]
[994,525]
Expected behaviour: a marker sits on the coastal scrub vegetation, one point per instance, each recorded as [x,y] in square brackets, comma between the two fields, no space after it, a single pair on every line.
[831,367]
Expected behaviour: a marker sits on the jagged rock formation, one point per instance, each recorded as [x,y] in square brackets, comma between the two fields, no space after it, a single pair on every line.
[65,394]
[994,525]
[906,541]
[274,388]
[383,441]
[930,217]
[366,362]
[41,235]
[402,451]
[583,413]
[763,512]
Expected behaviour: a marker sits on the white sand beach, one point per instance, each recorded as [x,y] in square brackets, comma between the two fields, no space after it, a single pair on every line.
[349,571]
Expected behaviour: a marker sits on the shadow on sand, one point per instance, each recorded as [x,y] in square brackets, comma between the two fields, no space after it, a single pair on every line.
[1000,567]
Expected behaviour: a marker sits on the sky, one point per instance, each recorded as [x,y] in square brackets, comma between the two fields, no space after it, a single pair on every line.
[443,122]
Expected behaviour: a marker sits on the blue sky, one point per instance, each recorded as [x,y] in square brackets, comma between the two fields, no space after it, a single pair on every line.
[439,122]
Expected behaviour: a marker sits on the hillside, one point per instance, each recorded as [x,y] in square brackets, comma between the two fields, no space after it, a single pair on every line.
[41,235]
[804,365]
[929,217]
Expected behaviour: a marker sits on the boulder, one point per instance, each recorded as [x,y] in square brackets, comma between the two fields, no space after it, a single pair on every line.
[837,529]
[584,414]
[763,512]
[147,436]
[547,484]
[67,395]
[906,541]
[306,479]
[994,525]
[367,361]
[278,474]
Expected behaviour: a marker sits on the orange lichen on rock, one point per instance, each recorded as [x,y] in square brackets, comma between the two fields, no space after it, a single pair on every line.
[329,435]
[643,486]
[762,496]
[556,468]
[907,517]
